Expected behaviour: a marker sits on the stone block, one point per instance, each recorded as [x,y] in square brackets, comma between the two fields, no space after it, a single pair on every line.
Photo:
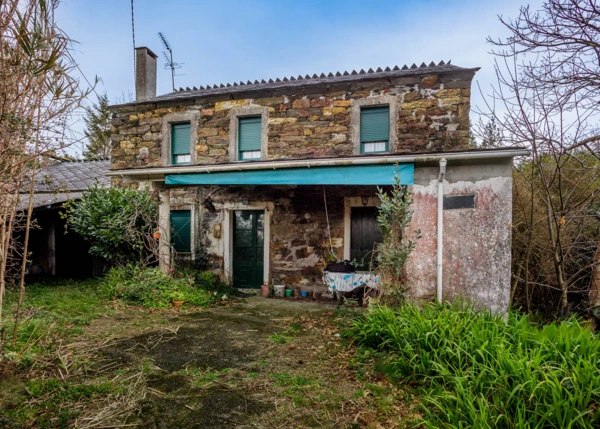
[421,104]
[230,104]
[269,101]
[207,132]
[302,103]
[342,103]
[329,111]
[429,81]
[277,121]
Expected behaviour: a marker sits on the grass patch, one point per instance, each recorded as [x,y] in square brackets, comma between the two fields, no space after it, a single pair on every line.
[50,309]
[474,369]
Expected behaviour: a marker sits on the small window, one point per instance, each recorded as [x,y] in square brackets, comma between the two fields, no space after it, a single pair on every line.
[457,202]
[249,138]
[181,230]
[374,129]
[180,143]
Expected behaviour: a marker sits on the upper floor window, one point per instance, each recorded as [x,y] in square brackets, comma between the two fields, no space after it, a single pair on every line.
[374,129]
[249,138]
[181,230]
[180,143]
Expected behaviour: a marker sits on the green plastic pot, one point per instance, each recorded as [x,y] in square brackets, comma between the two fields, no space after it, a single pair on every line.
[288,292]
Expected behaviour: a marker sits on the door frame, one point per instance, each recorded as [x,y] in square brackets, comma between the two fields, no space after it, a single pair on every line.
[229,218]
[350,202]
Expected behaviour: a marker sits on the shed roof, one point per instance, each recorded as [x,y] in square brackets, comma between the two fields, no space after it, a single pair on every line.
[64,181]
[72,176]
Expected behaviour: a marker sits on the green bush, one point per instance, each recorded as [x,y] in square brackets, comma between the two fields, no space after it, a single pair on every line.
[475,369]
[119,223]
[151,288]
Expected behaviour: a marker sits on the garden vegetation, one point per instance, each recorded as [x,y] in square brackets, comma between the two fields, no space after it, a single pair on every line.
[151,288]
[473,369]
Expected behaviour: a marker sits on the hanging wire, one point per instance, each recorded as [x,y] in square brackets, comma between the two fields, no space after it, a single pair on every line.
[327,217]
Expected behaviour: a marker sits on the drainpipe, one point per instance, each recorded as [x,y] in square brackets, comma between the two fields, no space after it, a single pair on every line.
[440,227]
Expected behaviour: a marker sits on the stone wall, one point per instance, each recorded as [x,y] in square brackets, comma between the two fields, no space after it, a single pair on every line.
[311,122]
[299,237]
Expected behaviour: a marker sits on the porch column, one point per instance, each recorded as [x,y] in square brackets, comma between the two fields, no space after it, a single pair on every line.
[164,225]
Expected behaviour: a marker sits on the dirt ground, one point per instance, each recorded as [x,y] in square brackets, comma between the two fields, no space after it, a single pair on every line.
[250,363]
[259,363]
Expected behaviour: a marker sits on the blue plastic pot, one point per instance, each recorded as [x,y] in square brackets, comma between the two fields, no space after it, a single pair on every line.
[304,294]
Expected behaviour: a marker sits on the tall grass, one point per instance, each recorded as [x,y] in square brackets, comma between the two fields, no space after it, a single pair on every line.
[476,370]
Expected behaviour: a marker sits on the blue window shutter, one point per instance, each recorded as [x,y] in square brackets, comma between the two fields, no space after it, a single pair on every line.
[180,140]
[249,131]
[375,124]
[181,230]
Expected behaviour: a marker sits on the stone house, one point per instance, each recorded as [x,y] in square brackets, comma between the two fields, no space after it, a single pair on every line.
[264,181]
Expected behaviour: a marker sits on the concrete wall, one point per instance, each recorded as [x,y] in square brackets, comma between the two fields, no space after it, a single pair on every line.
[476,241]
[477,252]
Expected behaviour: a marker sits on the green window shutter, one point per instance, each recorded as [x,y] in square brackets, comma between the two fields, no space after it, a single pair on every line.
[249,134]
[180,140]
[375,124]
[181,230]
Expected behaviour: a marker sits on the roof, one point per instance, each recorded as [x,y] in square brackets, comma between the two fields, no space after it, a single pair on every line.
[301,81]
[67,180]
[72,176]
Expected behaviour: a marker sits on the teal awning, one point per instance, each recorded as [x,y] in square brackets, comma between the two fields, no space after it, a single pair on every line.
[381,174]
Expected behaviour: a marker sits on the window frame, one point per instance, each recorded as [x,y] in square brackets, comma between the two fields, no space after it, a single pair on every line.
[170,119]
[234,125]
[391,101]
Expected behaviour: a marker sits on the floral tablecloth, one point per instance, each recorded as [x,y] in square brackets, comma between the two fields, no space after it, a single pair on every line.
[347,282]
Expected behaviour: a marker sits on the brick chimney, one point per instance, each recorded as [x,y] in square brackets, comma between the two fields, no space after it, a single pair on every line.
[145,74]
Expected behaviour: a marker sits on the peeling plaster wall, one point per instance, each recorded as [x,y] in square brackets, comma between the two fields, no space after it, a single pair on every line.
[477,251]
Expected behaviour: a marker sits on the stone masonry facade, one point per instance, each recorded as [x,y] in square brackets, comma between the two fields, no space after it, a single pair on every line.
[432,114]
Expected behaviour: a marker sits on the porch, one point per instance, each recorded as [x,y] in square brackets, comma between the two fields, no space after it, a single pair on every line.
[277,226]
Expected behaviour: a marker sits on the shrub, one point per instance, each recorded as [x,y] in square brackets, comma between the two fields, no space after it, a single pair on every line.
[476,370]
[394,216]
[151,288]
[117,222]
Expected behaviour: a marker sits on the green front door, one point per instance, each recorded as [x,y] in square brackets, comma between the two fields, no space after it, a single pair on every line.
[248,248]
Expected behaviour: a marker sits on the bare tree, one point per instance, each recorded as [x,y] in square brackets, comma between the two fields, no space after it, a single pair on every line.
[547,98]
[37,96]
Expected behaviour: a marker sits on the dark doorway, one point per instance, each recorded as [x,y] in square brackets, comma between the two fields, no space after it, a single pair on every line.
[364,234]
[248,248]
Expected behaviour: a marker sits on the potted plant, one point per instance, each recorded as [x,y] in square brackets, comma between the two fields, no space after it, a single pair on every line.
[177,298]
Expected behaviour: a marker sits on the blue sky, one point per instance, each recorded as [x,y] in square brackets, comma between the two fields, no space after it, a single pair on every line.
[226,41]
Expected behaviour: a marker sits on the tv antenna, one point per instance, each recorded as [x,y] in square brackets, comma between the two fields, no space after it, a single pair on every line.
[169,63]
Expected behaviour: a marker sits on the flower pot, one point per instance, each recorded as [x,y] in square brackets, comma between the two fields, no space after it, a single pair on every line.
[304,294]
[297,292]
[265,291]
[279,291]
[288,293]
[177,304]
